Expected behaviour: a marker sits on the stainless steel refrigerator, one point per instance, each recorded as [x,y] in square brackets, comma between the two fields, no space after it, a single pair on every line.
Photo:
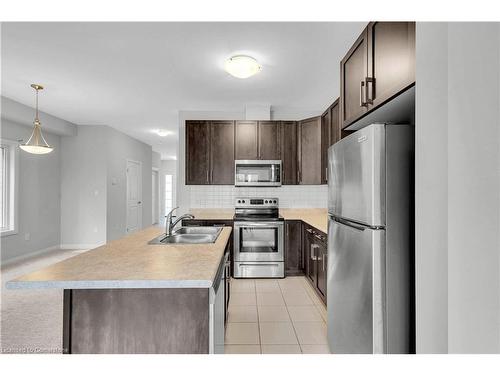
[370,251]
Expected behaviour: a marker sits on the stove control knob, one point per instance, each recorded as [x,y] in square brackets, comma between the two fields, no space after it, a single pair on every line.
[242,201]
[265,202]
[274,201]
[239,201]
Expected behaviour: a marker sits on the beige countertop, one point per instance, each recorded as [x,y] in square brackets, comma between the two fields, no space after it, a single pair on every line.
[130,262]
[316,217]
[212,213]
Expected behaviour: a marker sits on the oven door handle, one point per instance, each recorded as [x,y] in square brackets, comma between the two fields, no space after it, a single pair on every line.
[257,224]
[260,264]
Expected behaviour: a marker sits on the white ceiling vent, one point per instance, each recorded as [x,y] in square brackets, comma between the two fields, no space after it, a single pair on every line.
[258,112]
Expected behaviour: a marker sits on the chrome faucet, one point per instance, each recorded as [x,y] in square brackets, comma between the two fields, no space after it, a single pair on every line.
[169,225]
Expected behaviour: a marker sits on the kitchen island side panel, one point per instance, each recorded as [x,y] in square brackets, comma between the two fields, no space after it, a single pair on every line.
[142,321]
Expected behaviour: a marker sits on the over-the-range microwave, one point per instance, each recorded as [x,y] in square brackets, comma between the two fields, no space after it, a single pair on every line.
[257,173]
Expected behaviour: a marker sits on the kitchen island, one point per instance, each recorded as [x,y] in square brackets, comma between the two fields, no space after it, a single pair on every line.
[131,297]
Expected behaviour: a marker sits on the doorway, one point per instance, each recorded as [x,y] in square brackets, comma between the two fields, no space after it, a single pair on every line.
[134,196]
[154,197]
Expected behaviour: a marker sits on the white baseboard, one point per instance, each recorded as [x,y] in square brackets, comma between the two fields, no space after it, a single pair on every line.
[48,249]
[80,246]
[29,255]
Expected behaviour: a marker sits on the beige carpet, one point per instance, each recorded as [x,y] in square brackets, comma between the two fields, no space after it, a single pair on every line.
[31,320]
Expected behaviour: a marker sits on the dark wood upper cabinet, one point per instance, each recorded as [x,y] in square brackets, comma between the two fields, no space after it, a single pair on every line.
[222,152]
[293,248]
[197,153]
[353,71]
[257,140]
[246,140]
[310,151]
[269,140]
[379,66]
[334,123]
[391,60]
[288,147]
[326,120]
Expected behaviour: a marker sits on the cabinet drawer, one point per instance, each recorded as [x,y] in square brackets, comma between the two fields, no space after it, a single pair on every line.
[259,269]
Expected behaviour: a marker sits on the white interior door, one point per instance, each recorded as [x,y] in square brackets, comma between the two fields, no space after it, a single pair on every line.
[134,196]
[154,199]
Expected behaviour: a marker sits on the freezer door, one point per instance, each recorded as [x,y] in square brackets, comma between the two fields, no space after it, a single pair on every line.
[356,186]
[356,288]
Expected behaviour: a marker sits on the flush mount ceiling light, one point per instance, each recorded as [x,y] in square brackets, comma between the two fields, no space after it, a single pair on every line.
[37,143]
[242,66]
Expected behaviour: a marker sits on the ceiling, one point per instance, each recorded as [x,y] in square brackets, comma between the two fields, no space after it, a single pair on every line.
[136,77]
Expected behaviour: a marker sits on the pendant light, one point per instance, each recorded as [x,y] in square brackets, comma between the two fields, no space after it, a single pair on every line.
[37,143]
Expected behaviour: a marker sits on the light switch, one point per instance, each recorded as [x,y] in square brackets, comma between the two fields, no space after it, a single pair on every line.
[27,236]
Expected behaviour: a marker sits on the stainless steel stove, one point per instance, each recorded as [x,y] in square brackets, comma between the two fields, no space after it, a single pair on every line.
[258,238]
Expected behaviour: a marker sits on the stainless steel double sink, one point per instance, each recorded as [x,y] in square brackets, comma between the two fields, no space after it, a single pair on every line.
[188,235]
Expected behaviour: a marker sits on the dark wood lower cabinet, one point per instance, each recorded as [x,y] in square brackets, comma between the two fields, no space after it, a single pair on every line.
[293,248]
[130,321]
[315,255]
[321,267]
[309,263]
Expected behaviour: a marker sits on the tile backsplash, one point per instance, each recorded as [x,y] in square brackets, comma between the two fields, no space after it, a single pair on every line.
[222,196]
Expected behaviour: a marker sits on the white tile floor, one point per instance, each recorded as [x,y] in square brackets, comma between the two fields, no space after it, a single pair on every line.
[282,316]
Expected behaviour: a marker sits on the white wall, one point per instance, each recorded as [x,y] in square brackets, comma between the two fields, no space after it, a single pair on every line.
[75,196]
[473,188]
[156,163]
[94,185]
[39,190]
[457,188]
[121,147]
[83,188]
[24,115]
[431,188]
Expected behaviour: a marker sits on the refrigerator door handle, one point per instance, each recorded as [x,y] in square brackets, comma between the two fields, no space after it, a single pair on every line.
[349,224]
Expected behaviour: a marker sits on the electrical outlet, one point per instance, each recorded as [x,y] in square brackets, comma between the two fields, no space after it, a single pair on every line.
[27,236]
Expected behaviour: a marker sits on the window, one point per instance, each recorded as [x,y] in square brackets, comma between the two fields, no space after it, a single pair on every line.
[8,185]
[168,193]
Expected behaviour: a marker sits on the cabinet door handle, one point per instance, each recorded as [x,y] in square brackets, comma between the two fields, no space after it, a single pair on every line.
[362,85]
[309,230]
[313,252]
[323,262]
[319,237]
[326,174]
[208,178]
[369,90]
